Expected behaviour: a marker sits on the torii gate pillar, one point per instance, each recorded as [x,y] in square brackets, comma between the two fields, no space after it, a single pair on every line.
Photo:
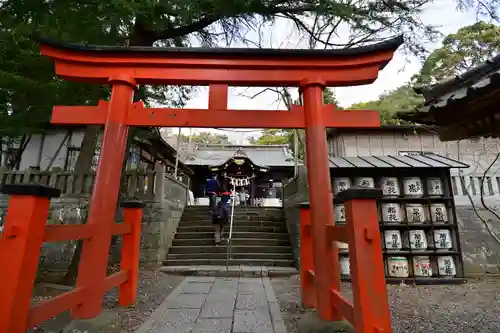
[320,197]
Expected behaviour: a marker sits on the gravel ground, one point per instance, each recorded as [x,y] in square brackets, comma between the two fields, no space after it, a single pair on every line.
[472,307]
[154,287]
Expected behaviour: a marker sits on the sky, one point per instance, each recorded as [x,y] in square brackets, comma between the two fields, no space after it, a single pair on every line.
[397,73]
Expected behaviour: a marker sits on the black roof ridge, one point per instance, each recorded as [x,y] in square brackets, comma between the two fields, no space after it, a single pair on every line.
[473,75]
[386,45]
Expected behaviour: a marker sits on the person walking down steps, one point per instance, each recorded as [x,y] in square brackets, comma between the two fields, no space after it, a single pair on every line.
[221,215]
[212,190]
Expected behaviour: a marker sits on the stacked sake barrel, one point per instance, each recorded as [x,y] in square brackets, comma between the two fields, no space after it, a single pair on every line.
[418,227]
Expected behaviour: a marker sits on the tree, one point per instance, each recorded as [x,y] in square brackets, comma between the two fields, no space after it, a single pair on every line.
[272,137]
[391,102]
[460,52]
[286,136]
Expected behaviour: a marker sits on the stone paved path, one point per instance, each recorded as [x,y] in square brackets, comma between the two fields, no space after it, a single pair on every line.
[218,305]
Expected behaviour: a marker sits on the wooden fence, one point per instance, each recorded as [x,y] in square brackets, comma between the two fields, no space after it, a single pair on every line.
[135,184]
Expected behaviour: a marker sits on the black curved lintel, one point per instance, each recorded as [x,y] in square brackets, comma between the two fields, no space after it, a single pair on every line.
[388,45]
[36,190]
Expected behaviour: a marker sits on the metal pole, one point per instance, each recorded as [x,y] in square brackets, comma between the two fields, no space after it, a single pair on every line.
[295,152]
[228,253]
[177,153]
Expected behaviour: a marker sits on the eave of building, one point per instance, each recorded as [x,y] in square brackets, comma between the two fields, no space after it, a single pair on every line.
[265,155]
[465,106]
[427,160]
[382,129]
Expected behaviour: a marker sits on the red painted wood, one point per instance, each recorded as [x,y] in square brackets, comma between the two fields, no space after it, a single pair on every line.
[94,260]
[242,70]
[321,202]
[54,306]
[130,256]
[307,289]
[19,251]
[217,96]
[59,233]
[367,267]
[115,279]
[137,115]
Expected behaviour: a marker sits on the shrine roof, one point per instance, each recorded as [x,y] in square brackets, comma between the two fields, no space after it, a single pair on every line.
[426,160]
[265,156]
[387,45]
[462,106]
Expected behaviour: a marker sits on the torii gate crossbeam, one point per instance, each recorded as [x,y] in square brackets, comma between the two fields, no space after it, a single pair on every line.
[126,67]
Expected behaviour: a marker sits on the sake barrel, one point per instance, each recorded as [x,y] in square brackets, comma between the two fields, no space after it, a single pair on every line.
[435,187]
[422,266]
[415,213]
[390,186]
[442,239]
[364,182]
[341,184]
[418,239]
[393,240]
[340,214]
[397,267]
[391,212]
[412,187]
[446,266]
[345,268]
[439,213]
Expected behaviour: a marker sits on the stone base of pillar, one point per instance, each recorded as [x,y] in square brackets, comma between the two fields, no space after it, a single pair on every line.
[311,323]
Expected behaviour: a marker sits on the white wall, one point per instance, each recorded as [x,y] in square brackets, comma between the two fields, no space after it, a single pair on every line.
[49,148]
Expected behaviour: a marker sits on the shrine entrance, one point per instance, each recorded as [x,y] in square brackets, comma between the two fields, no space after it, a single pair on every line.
[124,68]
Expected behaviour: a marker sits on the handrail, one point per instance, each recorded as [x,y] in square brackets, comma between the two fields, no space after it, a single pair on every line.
[230,236]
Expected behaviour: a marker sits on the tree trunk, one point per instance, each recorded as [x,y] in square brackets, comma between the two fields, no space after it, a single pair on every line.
[87,149]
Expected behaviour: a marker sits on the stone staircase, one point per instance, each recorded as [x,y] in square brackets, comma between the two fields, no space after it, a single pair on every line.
[259,239]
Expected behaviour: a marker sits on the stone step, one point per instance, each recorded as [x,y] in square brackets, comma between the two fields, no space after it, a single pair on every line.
[234,255]
[207,215]
[205,222]
[234,242]
[211,248]
[236,235]
[237,208]
[233,271]
[236,228]
[232,262]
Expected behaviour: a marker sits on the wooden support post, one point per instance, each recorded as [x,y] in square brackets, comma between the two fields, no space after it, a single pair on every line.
[132,216]
[326,260]
[19,251]
[365,257]
[94,260]
[307,290]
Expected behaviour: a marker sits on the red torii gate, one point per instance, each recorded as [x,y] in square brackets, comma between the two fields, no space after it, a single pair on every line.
[126,67]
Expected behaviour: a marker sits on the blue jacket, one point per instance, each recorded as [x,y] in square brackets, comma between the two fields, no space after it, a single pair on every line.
[212,186]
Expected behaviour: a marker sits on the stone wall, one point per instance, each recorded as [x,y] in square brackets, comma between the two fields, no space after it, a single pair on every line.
[161,217]
[481,252]
[294,193]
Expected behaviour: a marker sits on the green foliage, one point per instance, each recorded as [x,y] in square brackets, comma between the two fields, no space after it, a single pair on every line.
[207,138]
[391,102]
[460,52]
[273,137]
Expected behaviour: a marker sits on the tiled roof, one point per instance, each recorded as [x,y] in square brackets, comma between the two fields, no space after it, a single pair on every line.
[464,88]
[410,161]
[271,155]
